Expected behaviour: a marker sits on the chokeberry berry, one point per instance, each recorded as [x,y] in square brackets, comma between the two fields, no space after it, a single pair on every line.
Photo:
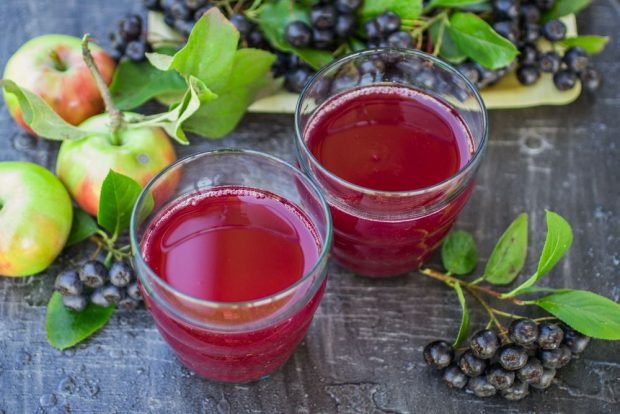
[529,13]
[68,283]
[576,59]
[484,344]
[152,4]
[545,380]
[531,372]
[565,79]
[136,50]
[499,377]
[130,27]
[550,358]
[93,274]
[565,356]
[323,16]
[256,39]
[121,274]
[507,29]
[549,62]
[591,80]
[113,294]
[76,303]
[454,377]
[371,67]
[527,75]
[470,71]
[372,30]
[544,4]
[506,9]
[576,341]
[298,34]
[322,39]
[530,32]
[128,304]
[388,23]
[470,365]
[554,30]
[481,387]
[400,39]
[133,290]
[523,332]
[184,27]
[518,391]
[296,79]
[348,6]
[97,298]
[180,11]
[550,335]
[438,354]
[241,23]
[345,25]
[512,357]
[528,54]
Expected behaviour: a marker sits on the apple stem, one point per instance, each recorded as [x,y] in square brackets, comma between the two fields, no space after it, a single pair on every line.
[59,65]
[116,116]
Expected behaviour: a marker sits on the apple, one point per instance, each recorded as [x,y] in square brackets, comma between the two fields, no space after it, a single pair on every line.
[140,153]
[52,67]
[35,218]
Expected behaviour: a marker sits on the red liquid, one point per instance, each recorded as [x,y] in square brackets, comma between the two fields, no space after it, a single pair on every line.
[388,138]
[233,244]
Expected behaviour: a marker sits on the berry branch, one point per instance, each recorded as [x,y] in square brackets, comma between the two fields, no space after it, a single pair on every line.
[116,116]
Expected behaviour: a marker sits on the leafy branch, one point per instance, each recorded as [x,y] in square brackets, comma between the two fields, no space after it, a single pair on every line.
[591,314]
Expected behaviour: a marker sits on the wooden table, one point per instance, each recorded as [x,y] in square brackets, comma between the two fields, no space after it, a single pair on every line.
[363,351]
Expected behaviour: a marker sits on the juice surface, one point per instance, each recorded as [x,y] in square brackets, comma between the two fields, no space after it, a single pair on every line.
[389,138]
[231,244]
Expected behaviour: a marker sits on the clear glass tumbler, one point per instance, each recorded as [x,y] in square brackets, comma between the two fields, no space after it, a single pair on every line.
[223,341]
[387,233]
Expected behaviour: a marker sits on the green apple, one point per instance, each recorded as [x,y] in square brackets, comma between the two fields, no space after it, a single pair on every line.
[83,164]
[35,218]
[52,67]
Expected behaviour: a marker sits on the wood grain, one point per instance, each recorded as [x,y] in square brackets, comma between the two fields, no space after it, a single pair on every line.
[363,351]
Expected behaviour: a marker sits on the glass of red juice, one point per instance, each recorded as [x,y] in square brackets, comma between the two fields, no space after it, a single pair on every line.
[232,260]
[394,138]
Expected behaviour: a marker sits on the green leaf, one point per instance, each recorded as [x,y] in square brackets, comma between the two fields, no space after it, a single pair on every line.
[508,256]
[406,9]
[591,314]
[82,228]
[476,39]
[273,18]
[118,196]
[39,116]
[563,8]
[448,49]
[452,3]
[558,240]
[464,328]
[135,83]
[251,73]
[591,44]
[66,328]
[208,54]
[458,253]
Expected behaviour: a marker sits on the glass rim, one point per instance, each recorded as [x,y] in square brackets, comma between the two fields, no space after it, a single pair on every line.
[301,145]
[137,252]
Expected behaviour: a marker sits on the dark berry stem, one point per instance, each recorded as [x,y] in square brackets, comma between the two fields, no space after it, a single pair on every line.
[116,116]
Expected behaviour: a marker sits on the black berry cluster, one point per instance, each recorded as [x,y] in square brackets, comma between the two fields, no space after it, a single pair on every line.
[384,31]
[129,40]
[94,283]
[528,359]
